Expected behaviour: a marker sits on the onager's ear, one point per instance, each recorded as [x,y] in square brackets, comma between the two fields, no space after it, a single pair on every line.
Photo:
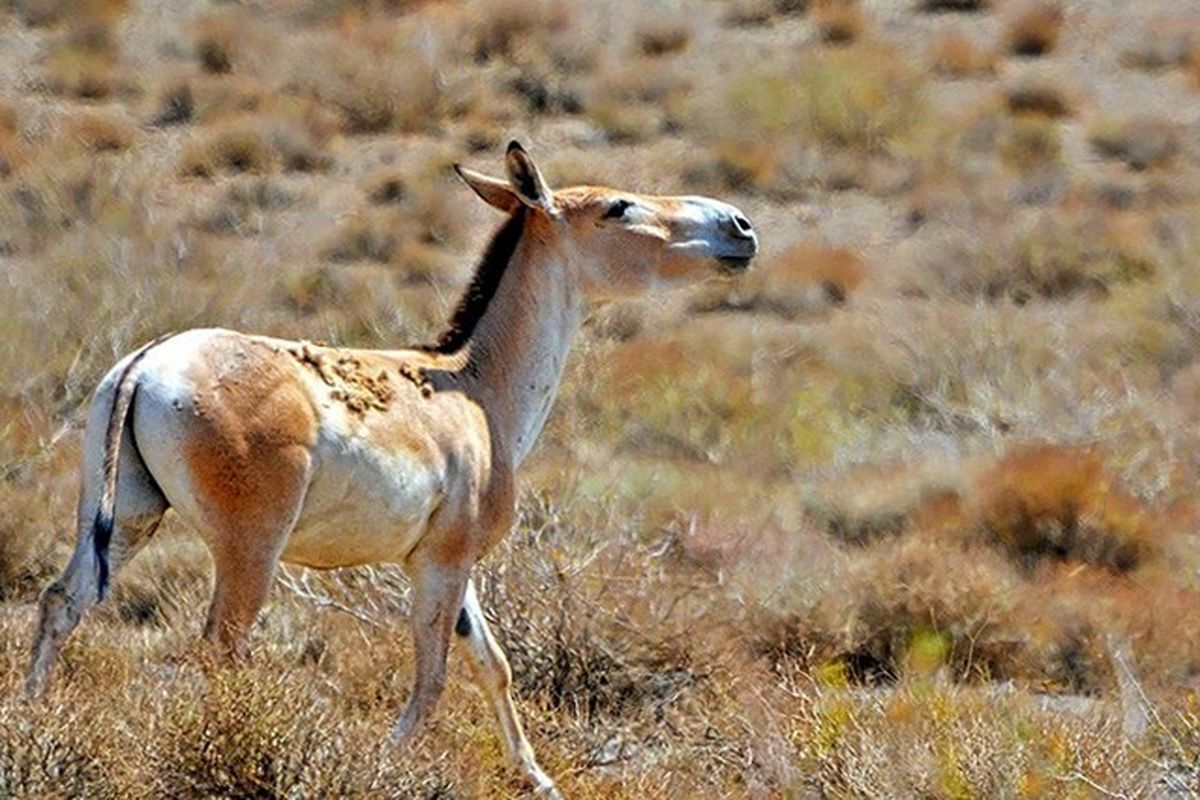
[495,192]
[527,180]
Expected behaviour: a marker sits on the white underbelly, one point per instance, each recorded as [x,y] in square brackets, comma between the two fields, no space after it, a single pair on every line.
[362,507]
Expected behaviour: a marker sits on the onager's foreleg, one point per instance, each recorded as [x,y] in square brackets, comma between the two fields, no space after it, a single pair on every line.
[437,596]
[494,677]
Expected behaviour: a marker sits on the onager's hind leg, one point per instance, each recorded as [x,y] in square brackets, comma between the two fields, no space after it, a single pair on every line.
[245,553]
[139,509]
[494,677]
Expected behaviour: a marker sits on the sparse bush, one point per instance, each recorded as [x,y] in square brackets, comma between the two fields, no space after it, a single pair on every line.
[1035,29]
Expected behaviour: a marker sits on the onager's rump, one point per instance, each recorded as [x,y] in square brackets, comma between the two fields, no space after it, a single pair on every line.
[330,457]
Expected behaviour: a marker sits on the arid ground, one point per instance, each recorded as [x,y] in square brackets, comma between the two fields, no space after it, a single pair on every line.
[909,511]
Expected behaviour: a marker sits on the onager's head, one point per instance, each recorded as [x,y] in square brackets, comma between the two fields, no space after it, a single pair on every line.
[620,243]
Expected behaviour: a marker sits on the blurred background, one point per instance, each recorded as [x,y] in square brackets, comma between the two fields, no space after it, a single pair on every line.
[908,511]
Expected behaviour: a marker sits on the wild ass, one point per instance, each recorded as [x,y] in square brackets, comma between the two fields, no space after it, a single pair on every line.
[332,457]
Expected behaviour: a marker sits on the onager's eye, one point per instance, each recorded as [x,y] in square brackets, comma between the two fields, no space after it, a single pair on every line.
[618,209]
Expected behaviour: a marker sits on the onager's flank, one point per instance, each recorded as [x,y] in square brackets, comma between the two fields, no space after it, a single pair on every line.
[331,457]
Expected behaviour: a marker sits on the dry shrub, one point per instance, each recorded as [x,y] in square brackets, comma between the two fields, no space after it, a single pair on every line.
[260,732]
[84,63]
[1062,255]
[1035,29]
[960,6]
[176,105]
[804,279]
[233,148]
[101,132]
[631,102]
[27,552]
[956,56]
[664,35]
[364,237]
[1047,502]
[413,221]
[244,205]
[216,40]
[51,750]
[502,26]
[1140,142]
[914,606]
[1165,44]
[750,13]
[838,21]
[1038,97]
[377,80]
[287,135]
[1030,142]
[14,150]
[862,100]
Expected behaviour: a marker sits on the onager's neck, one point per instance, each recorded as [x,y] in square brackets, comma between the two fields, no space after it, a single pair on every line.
[513,360]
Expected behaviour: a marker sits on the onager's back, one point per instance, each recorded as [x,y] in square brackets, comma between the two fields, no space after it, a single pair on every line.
[331,457]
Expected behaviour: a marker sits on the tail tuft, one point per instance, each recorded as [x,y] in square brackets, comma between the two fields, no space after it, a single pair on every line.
[102,530]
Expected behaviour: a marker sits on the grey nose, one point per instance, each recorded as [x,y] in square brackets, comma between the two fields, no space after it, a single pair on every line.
[739,226]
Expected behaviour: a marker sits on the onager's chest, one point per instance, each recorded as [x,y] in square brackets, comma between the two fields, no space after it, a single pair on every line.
[379,473]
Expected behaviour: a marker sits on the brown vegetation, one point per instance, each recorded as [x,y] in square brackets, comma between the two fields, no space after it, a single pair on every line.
[902,512]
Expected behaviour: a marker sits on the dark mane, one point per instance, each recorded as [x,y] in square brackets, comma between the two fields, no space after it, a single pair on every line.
[474,301]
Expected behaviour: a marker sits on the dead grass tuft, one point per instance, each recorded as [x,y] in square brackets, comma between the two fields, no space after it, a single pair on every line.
[1034,30]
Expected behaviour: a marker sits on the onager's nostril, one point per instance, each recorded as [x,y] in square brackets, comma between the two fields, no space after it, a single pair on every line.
[740,226]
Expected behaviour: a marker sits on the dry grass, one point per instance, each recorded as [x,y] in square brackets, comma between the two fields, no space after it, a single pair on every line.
[882,518]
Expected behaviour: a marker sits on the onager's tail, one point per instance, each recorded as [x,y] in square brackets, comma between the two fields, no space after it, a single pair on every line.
[102,524]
